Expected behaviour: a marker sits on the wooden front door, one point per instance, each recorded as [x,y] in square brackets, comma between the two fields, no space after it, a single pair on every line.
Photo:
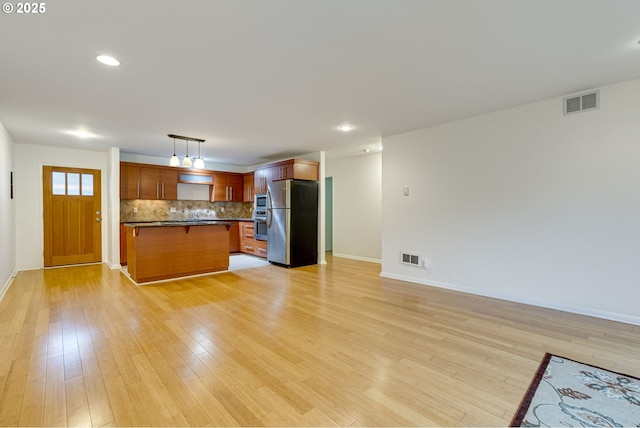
[72,216]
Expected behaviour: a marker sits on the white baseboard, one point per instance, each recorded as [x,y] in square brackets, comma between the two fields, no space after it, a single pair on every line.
[7,284]
[362,259]
[112,265]
[611,316]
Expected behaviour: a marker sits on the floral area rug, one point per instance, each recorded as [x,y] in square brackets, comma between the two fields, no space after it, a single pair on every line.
[566,393]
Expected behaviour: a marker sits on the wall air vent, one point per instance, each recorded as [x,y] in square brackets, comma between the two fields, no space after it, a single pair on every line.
[407,258]
[581,102]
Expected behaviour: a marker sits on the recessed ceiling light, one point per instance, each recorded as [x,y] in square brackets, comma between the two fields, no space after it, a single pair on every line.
[345,127]
[82,134]
[108,60]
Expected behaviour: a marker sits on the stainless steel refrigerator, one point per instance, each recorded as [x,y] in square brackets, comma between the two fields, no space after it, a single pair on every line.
[292,222]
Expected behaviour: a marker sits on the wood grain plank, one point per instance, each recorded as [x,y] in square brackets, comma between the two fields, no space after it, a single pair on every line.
[332,345]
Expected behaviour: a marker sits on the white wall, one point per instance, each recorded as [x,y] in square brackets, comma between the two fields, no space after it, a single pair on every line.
[28,191]
[357,185]
[523,204]
[7,213]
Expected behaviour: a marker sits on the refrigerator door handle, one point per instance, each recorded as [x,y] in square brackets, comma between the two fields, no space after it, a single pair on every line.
[269,209]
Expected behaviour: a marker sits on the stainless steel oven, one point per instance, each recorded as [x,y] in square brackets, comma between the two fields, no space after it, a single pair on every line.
[261,202]
[260,228]
[260,217]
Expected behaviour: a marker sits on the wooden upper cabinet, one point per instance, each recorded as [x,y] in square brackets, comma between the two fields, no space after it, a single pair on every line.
[247,187]
[261,177]
[298,169]
[141,181]
[282,172]
[129,181]
[148,182]
[226,188]
[307,170]
[169,184]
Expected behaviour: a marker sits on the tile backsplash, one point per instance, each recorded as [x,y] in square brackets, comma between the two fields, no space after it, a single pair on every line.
[154,210]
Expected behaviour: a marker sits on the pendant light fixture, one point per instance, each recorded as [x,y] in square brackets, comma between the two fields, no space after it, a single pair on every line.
[199,162]
[186,162]
[174,161]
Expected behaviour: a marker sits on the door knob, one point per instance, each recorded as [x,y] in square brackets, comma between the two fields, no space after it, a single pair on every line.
[97,218]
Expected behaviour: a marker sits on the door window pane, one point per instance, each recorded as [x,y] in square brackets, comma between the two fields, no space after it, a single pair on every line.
[87,184]
[58,182]
[73,183]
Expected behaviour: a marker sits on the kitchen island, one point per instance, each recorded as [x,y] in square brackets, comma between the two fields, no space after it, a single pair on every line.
[173,249]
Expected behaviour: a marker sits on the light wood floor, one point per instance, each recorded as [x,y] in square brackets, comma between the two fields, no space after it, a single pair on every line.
[321,345]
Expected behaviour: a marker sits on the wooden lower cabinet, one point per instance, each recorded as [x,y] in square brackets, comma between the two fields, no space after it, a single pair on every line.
[123,245]
[234,237]
[248,243]
[163,252]
[261,248]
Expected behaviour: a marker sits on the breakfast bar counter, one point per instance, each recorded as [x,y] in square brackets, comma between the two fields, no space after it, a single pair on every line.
[173,249]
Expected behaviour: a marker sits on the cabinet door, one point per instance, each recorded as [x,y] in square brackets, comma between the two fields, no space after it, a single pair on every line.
[129,182]
[276,173]
[220,188]
[247,187]
[304,170]
[168,184]
[247,241]
[234,238]
[235,188]
[262,177]
[149,183]
[282,172]
[261,248]
[123,244]
[227,188]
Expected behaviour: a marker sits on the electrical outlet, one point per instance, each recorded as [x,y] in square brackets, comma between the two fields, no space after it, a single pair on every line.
[426,263]
[221,209]
[172,209]
[135,210]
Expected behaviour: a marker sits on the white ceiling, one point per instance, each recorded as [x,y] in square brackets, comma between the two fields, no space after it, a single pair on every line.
[263,80]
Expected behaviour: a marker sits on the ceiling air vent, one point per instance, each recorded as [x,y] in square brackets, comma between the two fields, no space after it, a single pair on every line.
[581,102]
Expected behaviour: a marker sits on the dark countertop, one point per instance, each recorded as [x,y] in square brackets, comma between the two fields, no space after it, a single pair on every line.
[170,223]
[188,221]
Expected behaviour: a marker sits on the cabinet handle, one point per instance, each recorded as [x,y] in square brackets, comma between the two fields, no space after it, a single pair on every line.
[262,250]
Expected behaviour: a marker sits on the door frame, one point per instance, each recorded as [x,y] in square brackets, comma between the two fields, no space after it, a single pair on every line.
[98,232]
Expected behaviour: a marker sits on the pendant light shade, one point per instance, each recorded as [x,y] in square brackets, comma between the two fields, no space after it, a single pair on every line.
[186,162]
[174,161]
[199,162]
